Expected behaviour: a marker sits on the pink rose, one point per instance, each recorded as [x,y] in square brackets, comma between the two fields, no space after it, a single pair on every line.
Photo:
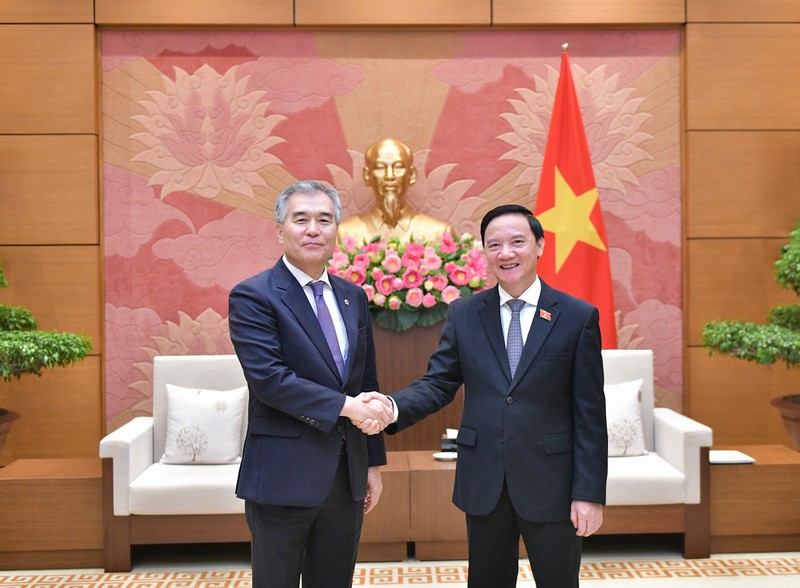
[450,293]
[376,274]
[439,281]
[414,297]
[415,249]
[349,244]
[431,260]
[447,244]
[412,278]
[398,283]
[459,275]
[429,300]
[379,300]
[361,260]
[369,290]
[386,284]
[411,260]
[394,302]
[392,262]
[355,274]
[340,259]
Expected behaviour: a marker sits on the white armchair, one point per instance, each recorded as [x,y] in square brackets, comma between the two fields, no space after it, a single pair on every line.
[666,490]
[148,502]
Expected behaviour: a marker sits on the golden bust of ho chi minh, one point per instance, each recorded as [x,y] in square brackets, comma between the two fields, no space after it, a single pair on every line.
[389,170]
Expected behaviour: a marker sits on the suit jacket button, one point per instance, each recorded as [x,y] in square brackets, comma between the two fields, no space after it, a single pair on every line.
[509,400]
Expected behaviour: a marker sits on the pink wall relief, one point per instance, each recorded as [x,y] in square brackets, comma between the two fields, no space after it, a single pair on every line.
[203,129]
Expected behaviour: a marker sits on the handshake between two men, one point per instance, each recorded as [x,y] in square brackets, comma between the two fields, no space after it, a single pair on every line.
[371,412]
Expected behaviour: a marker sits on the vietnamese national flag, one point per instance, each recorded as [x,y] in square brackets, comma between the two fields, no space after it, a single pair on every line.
[575,257]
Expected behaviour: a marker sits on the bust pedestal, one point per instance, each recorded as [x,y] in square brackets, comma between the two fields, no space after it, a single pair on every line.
[402,358]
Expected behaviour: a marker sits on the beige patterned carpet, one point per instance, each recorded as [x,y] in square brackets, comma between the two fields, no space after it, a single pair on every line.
[767,571]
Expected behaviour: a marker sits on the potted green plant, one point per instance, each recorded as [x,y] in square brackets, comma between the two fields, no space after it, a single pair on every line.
[776,341]
[24,349]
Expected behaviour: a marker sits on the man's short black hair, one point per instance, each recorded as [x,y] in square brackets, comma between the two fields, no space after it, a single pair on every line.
[536,226]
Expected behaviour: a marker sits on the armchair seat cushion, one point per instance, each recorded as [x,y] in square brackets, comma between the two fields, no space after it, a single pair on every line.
[166,489]
[644,479]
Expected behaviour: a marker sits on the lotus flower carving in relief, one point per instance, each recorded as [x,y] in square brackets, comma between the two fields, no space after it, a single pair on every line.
[205,134]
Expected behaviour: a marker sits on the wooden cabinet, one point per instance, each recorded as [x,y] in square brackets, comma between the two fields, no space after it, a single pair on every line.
[756,507]
[52,515]
[386,530]
[438,528]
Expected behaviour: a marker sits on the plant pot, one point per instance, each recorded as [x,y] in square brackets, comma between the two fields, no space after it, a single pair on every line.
[6,418]
[789,407]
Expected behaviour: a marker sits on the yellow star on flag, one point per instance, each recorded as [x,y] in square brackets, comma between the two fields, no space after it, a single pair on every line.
[569,219]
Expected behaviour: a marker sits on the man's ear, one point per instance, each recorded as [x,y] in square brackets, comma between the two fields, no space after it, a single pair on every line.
[367,176]
[412,175]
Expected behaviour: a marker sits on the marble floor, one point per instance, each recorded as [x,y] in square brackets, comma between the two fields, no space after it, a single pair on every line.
[635,561]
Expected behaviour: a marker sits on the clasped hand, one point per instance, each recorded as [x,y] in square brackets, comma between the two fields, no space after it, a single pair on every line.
[371,412]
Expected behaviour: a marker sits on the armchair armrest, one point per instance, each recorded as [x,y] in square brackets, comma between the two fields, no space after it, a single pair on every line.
[131,450]
[678,440]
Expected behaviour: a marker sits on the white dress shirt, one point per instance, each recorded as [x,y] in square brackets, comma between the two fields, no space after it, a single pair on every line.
[531,298]
[330,300]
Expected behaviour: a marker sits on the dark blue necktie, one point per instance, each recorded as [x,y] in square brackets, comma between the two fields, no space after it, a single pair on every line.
[326,322]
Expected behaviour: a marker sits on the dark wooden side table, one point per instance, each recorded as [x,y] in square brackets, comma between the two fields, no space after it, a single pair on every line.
[756,507]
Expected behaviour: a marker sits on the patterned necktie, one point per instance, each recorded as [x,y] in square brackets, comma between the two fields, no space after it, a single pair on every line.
[326,322]
[514,342]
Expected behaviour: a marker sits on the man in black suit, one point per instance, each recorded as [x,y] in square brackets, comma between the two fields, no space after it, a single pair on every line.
[532,444]
[303,337]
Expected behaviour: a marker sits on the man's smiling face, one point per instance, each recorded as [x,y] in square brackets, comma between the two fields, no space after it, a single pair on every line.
[512,252]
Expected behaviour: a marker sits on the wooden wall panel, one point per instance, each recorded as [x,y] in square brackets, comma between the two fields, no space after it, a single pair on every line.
[743,11]
[408,12]
[743,76]
[732,279]
[251,13]
[62,413]
[48,189]
[59,285]
[732,397]
[546,12]
[46,11]
[48,79]
[742,183]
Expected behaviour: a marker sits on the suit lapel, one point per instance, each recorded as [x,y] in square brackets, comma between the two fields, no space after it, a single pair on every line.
[490,318]
[294,297]
[347,308]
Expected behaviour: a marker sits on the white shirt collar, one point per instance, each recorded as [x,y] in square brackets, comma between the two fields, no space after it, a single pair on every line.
[302,277]
[530,296]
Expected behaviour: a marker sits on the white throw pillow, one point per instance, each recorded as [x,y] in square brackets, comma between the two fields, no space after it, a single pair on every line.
[624,419]
[203,426]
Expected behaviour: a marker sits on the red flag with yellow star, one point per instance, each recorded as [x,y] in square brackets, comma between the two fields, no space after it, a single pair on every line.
[575,257]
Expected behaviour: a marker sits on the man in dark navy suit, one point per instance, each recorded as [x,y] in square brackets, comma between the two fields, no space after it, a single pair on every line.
[304,339]
[532,444]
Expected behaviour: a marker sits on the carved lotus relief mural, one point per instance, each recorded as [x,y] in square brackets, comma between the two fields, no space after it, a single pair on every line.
[203,129]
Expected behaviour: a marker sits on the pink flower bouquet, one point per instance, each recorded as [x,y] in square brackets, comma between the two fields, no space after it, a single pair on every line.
[411,283]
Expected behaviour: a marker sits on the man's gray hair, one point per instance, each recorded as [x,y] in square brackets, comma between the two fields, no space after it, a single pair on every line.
[307,187]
